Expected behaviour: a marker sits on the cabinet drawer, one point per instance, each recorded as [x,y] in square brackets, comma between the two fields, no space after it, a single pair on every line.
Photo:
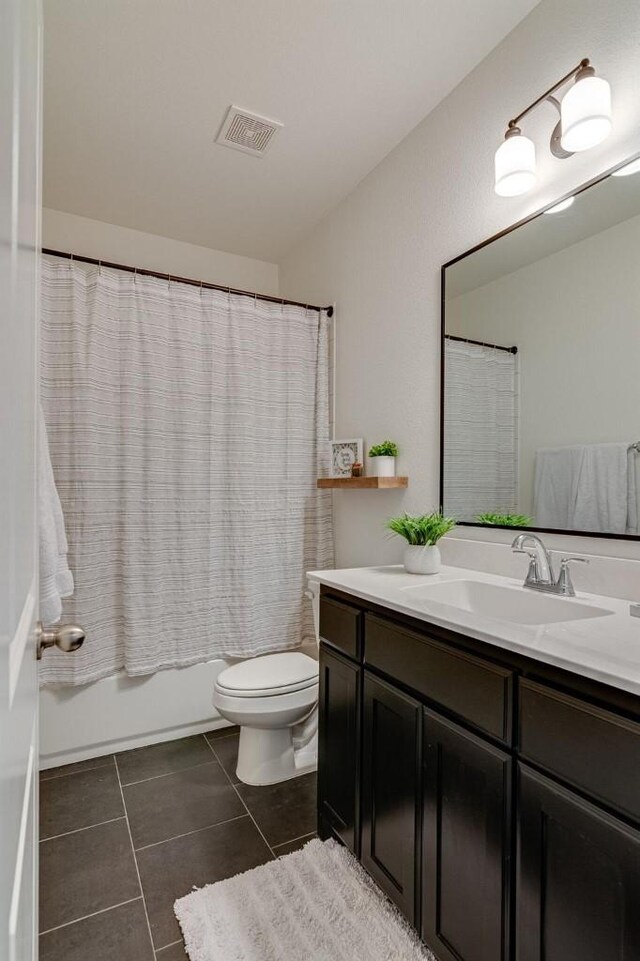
[470,687]
[590,748]
[340,626]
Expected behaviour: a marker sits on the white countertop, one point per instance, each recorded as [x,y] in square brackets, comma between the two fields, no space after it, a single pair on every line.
[606,649]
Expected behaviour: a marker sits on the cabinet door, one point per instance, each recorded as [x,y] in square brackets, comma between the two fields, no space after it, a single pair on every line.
[391,735]
[578,878]
[466,844]
[339,748]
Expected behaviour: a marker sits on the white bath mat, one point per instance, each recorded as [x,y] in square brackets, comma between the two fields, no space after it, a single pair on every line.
[316,904]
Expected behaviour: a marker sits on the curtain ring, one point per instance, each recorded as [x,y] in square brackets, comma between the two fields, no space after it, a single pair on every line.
[70,262]
[168,281]
[100,268]
[229,296]
[135,274]
[255,301]
[282,306]
[201,288]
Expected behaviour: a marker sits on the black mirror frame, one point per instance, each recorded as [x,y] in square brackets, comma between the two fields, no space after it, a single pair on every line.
[443,269]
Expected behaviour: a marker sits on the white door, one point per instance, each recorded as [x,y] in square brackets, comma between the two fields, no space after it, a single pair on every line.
[20,66]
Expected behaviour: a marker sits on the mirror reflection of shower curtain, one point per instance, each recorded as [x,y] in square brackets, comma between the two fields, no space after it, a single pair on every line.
[481,430]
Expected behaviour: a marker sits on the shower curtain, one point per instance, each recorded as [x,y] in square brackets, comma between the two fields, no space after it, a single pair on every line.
[481,430]
[187,429]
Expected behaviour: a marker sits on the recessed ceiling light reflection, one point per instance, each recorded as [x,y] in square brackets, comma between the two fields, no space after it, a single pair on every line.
[563,205]
[628,169]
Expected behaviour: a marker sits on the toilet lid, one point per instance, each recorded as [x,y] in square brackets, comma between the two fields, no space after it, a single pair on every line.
[270,674]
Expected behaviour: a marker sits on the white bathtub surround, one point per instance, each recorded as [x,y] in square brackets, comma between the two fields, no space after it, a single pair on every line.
[383,466]
[315,903]
[187,430]
[422,559]
[602,642]
[119,712]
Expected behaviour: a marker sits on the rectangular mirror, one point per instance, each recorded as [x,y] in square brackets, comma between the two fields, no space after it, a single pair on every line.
[541,369]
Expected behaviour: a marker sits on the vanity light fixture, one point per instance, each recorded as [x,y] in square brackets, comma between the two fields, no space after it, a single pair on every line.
[628,169]
[585,120]
[563,205]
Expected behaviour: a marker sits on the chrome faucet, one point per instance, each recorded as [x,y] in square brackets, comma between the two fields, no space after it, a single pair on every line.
[540,576]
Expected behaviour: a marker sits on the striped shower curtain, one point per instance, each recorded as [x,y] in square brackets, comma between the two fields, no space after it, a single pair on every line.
[187,429]
[481,412]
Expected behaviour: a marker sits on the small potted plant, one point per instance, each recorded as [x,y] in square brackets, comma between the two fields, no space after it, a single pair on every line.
[422,555]
[384,458]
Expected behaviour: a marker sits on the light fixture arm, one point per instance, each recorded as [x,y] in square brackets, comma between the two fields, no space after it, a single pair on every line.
[584,68]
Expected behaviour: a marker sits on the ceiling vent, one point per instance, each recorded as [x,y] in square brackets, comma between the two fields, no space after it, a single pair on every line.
[248,132]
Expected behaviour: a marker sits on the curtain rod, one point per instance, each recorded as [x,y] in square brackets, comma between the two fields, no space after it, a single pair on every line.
[185,280]
[481,343]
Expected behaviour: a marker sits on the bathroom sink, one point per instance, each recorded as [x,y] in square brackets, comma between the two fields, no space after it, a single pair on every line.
[513,604]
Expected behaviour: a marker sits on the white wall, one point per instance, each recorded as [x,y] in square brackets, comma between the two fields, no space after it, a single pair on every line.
[574,317]
[92,238]
[379,253]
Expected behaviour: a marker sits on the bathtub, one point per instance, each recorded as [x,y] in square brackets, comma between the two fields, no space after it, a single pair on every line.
[118,713]
[121,712]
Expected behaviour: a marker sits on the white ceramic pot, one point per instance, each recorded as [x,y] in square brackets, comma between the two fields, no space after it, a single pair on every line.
[384,466]
[422,560]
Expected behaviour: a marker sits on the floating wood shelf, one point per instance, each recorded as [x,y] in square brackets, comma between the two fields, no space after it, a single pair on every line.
[362,483]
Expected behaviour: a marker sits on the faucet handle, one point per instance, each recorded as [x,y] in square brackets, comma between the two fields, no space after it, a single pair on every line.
[565,584]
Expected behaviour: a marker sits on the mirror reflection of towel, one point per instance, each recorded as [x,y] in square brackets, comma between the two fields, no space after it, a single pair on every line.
[587,487]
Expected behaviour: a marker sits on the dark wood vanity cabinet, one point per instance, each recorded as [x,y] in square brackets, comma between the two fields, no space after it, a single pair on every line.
[494,799]
[391,734]
[339,749]
[466,863]
[578,879]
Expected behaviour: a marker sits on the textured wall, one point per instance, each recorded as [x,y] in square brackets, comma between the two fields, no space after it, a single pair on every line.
[378,255]
[93,238]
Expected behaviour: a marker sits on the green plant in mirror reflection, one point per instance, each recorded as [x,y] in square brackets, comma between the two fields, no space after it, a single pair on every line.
[505,520]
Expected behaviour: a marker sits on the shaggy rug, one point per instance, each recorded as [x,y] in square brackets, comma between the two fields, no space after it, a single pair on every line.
[317,904]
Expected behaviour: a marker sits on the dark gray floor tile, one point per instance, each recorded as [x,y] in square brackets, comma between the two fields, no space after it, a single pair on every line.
[177,803]
[84,872]
[222,732]
[172,869]
[290,846]
[283,811]
[120,933]
[165,758]
[175,952]
[78,800]
[77,767]
[226,750]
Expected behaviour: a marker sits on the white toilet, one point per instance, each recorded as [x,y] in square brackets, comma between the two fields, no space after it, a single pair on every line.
[274,700]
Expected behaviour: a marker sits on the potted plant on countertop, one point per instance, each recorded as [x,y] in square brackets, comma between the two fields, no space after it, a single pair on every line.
[384,458]
[422,533]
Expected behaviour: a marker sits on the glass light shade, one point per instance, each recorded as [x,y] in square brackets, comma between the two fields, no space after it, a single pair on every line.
[585,114]
[515,166]
[562,205]
[628,169]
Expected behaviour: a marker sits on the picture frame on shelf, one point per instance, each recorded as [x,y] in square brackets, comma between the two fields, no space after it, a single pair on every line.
[343,455]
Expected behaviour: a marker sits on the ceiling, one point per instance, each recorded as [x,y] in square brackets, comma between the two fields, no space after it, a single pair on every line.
[135,92]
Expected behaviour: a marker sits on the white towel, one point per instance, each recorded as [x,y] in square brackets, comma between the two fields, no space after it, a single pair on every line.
[589,487]
[56,580]
[602,496]
[555,486]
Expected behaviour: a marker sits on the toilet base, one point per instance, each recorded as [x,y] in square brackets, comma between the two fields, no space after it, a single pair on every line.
[268,756]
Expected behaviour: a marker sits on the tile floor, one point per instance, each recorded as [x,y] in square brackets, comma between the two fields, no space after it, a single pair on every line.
[123,836]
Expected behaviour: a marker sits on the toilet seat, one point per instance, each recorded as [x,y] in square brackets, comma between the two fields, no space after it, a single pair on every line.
[269,675]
